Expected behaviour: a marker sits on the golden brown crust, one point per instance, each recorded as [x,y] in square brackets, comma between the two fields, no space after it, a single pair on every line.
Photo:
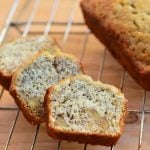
[26,112]
[81,68]
[90,138]
[118,47]
[5,80]
[124,116]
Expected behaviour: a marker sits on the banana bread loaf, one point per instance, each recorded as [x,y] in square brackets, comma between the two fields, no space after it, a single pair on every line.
[124,27]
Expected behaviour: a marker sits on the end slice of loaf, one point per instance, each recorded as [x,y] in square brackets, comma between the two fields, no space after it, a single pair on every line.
[83,110]
[124,27]
[13,54]
[29,82]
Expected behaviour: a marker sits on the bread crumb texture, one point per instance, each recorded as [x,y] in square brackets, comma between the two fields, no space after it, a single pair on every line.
[84,105]
[15,53]
[44,71]
[131,21]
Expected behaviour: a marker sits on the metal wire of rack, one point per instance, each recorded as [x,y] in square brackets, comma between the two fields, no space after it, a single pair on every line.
[48,25]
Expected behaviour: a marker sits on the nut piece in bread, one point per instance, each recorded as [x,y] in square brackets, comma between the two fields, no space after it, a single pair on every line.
[13,54]
[124,27]
[29,82]
[83,110]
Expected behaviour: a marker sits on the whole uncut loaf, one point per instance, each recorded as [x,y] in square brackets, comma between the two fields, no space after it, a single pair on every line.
[29,82]
[15,53]
[83,110]
[124,27]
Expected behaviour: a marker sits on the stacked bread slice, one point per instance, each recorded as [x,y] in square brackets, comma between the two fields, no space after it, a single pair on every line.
[29,82]
[15,53]
[49,85]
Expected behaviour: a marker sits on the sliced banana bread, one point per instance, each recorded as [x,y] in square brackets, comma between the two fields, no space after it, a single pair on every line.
[29,82]
[83,110]
[124,27]
[15,53]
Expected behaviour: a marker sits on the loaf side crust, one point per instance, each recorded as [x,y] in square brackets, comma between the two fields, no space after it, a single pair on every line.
[5,80]
[90,138]
[118,47]
[26,112]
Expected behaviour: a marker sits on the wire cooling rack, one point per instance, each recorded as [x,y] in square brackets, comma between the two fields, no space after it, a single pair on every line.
[63,20]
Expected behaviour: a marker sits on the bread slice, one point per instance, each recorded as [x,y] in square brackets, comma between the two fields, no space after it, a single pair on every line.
[29,82]
[15,53]
[83,110]
[124,27]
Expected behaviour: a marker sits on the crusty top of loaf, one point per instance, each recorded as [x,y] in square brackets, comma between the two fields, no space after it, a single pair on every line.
[32,80]
[82,105]
[130,20]
[15,53]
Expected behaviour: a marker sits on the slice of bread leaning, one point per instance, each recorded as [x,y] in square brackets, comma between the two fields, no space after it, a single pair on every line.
[29,82]
[13,54]
[83,110]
